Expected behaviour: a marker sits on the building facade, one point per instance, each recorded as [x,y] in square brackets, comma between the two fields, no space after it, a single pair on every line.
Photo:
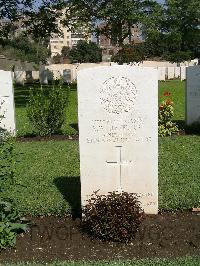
[68,38]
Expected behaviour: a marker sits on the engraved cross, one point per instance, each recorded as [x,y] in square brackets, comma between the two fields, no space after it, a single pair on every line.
[121,163]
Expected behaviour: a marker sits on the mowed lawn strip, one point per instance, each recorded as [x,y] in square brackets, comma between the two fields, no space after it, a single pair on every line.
[189,261]
[47,173]
[47,177]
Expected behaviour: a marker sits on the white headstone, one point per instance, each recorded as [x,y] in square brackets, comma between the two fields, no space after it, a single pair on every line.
[170,73]
[44,77]
[118,123]
[35,75]
[177,72]
[193,95]
[183,73]
[29,76]
[7,109]
[67,76]
[161,73]
[20,77]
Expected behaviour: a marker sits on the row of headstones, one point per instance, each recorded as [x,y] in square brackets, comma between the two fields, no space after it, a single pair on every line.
[118,134]
[166,73]
[45,76]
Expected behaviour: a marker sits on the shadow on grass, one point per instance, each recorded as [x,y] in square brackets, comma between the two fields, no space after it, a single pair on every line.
[75,126]
[194,129]
[180,123]
[70,188]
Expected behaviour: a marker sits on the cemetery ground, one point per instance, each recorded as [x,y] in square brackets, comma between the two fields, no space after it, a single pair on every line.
[47,190]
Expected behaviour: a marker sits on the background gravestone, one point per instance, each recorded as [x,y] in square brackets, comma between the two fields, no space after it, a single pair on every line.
[183,73]
[35,75]
[19,77]
[161,73]
[177,72]
[118,123]
[7,102]
[29,76]
[170,72]
[43,76]
[67,75]
[193,95]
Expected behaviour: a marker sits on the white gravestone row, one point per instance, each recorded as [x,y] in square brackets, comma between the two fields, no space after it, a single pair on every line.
[118,123]
[183,73]
[161,73]
[170,73]
[177,72]
[193,95]
[7,102]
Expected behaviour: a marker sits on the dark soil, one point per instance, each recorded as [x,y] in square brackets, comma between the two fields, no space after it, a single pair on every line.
[58,238]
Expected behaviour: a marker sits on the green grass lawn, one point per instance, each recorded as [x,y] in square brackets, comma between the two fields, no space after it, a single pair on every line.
[48,175]
[48,172]
[153,262]
[177,91]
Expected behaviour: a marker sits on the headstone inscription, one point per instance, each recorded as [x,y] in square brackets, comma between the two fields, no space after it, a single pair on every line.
[118,125]
[7,108]
[193,95]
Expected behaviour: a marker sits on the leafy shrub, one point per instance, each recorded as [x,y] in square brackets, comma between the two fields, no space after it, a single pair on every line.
[129,54]
[7,161]
[166,112]
[114,217]
[46,110]
[10,222]
[7,157]
[10,225]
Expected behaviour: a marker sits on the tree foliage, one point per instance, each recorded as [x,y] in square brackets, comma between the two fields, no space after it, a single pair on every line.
[118,16]
[86,52]
[38,21]
[25,49]
[65,51]
[175,33]
[130,53]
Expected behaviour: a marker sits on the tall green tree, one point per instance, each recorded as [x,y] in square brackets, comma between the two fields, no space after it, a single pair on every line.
[118,16]
[86,53]
[39,21]
[10,12]
[175,34]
